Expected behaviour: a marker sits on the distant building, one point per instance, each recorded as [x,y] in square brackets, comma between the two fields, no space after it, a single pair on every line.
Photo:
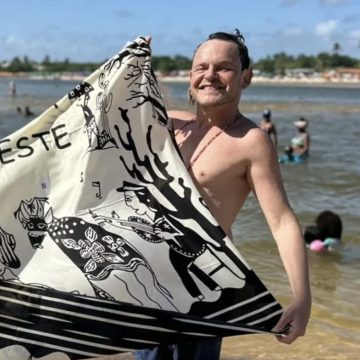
[344,74]
[301,73]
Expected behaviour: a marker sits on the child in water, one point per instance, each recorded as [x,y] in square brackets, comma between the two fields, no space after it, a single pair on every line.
[326,234]
[289,157]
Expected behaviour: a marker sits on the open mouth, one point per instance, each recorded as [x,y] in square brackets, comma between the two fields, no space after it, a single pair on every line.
[210,87]
[36,238]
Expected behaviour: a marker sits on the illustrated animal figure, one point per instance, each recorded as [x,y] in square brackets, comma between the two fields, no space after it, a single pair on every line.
[8,258]
[98,253]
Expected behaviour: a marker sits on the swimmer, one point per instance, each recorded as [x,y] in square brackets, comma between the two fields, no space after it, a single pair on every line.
[268,126]
[301,142]
[328,230]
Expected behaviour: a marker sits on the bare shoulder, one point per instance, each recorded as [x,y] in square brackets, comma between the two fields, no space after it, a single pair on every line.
[251,136]
[246,129]
[179,117]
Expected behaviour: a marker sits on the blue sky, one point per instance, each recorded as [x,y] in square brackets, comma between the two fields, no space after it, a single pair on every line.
[89,30]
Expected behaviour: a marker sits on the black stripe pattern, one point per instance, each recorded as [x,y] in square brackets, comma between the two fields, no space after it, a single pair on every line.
[45,321]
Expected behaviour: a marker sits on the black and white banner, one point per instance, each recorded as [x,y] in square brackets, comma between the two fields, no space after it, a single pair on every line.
[106,246]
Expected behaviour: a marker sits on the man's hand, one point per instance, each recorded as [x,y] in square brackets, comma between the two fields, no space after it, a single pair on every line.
[294,319]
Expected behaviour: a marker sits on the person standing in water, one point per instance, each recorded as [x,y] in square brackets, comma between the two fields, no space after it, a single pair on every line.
[300,143]
[229,156]
[268,126]
[12,88]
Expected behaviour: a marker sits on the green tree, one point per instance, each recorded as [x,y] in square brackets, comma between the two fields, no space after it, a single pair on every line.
[265,65]
[280,63]
[17,65]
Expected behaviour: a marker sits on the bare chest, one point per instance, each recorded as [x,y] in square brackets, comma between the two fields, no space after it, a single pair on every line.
[211,158]
[218,168]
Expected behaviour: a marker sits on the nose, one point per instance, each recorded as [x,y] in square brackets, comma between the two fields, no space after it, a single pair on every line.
[210,73]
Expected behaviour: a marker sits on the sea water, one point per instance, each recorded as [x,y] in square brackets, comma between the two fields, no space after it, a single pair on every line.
[328,180]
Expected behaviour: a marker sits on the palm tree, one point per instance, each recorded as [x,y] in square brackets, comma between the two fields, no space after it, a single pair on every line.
[336,48]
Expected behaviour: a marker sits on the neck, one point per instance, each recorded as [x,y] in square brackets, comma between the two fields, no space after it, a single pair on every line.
[208,118]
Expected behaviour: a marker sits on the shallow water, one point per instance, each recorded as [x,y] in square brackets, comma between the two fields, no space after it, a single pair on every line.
[330,179]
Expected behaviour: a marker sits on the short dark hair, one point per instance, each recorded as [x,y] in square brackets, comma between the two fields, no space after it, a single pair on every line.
[239,40]
[329,224]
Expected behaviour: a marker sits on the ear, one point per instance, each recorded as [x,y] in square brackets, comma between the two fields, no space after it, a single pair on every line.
[246,77]
[49,216]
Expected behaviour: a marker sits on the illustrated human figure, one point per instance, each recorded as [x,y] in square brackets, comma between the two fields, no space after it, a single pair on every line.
[185,245]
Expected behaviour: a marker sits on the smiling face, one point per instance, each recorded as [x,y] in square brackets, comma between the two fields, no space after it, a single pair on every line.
[216,77]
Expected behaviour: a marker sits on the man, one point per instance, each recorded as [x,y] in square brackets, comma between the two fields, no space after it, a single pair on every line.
[268,126]
[228,156]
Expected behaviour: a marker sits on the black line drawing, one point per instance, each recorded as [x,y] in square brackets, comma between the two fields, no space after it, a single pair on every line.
[8,258]
[96,252]
[97,184]
[189,253]
[98,134]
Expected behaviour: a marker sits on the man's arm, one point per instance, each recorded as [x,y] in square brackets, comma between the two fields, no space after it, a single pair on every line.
[265,180]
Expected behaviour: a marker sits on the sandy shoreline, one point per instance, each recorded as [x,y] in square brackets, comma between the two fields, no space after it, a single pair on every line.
[277,81]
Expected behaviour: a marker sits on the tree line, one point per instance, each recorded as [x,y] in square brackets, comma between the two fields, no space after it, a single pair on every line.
[276,64]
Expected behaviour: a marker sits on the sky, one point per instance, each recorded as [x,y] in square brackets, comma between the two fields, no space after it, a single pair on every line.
[95,30]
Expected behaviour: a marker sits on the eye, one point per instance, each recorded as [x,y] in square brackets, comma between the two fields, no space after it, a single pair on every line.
[224,68]
[199,69]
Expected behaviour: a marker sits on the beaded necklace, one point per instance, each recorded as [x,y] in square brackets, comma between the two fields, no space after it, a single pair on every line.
[192,162]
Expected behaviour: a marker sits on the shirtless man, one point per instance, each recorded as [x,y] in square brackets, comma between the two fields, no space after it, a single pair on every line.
[268,125]
[228,156]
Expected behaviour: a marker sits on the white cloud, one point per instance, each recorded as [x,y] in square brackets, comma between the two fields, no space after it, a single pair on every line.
[289,3]
[292,31]
[334,2]
[355,34]
[326,28]
[10,40]
[354,38]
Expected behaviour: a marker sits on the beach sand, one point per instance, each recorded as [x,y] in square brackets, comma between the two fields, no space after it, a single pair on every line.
[281,81]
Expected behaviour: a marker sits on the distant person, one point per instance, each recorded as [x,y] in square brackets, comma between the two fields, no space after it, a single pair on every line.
[301,142]
[288,157]
[28,112]
[268,126]
[12,88]
[18,109]
[326,233]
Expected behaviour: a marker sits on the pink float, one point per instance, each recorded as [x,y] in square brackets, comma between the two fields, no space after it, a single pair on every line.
[317,246]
